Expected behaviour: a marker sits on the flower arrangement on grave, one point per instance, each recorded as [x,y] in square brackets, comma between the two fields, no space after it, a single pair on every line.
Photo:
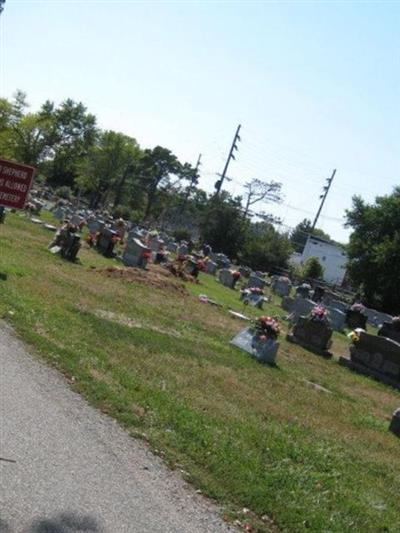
[201,265]
[236,275]
[146,255]
[266,328]
[256,290]
[354,335]
[358,308]
[319,314]
[396,323]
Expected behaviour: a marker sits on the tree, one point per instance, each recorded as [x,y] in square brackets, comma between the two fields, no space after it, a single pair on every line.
[74,134]
[257,191]
[301,232]
[155,168]
[223,226]
[312,269]
[109,168]
[24,137]
[374,250]
[265,248]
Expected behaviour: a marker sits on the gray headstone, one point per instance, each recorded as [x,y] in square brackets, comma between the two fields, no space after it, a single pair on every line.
[301,307]
[337,304]
[133,253]
[156,244]
[281,286]
[379,354]
[172,246]
[256,281]
[211,267]
[337,318]
[264,352]
[60,213]
[377,318]
[287,303]
[183,250]
[95,225]
[226,278]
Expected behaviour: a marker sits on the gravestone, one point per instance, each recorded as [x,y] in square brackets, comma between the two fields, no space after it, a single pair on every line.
[314,335]
[337,318]
[281,286]
[255,281]
[106,241]
[255,300]
[301,307]
[337,304]
[318,294]
[172,247]
[287,303]
[76,220]
[182,249]
[156,244]
[395,423]
[375,356]
[390,330]
[303,290]
[226,278]
[211,267]
[135,234]
[264,352]
[95,225]
[136,253]
[377,318]
[67,244]
[222,261]
[356,319]
[245,271]
[60,213]
[71,246]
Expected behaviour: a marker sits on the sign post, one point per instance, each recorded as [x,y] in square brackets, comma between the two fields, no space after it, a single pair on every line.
[15,184]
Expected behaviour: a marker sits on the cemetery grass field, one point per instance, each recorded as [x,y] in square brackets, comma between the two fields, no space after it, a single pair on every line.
[304,446]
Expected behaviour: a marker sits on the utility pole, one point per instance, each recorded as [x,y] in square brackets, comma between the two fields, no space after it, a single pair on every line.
[218,184]
[323,197]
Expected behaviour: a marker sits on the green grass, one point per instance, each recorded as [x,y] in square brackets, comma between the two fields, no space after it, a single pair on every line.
[245,434]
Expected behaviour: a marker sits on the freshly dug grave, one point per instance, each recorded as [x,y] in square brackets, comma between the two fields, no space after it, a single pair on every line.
[154,276]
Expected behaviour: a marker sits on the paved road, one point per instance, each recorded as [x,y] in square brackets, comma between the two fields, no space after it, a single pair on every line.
[76,469]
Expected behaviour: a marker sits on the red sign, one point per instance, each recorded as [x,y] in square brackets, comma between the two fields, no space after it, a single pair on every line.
[15,183]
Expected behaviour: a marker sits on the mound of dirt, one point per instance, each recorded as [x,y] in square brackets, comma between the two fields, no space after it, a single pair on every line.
[154,276]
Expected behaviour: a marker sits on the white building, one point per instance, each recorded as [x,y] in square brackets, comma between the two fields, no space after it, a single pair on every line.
[331,256]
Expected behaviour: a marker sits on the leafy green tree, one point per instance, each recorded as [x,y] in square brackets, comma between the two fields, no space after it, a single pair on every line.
[301,232]
[155,169]
[74,133]
[265,248]
[108,170]
[24,137]
[374,250]
[223,226]
[312,269]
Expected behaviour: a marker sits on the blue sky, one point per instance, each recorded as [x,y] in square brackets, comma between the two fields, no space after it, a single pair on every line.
[315,85]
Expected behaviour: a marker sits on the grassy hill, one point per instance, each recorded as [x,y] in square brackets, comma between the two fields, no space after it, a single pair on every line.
[301,446]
